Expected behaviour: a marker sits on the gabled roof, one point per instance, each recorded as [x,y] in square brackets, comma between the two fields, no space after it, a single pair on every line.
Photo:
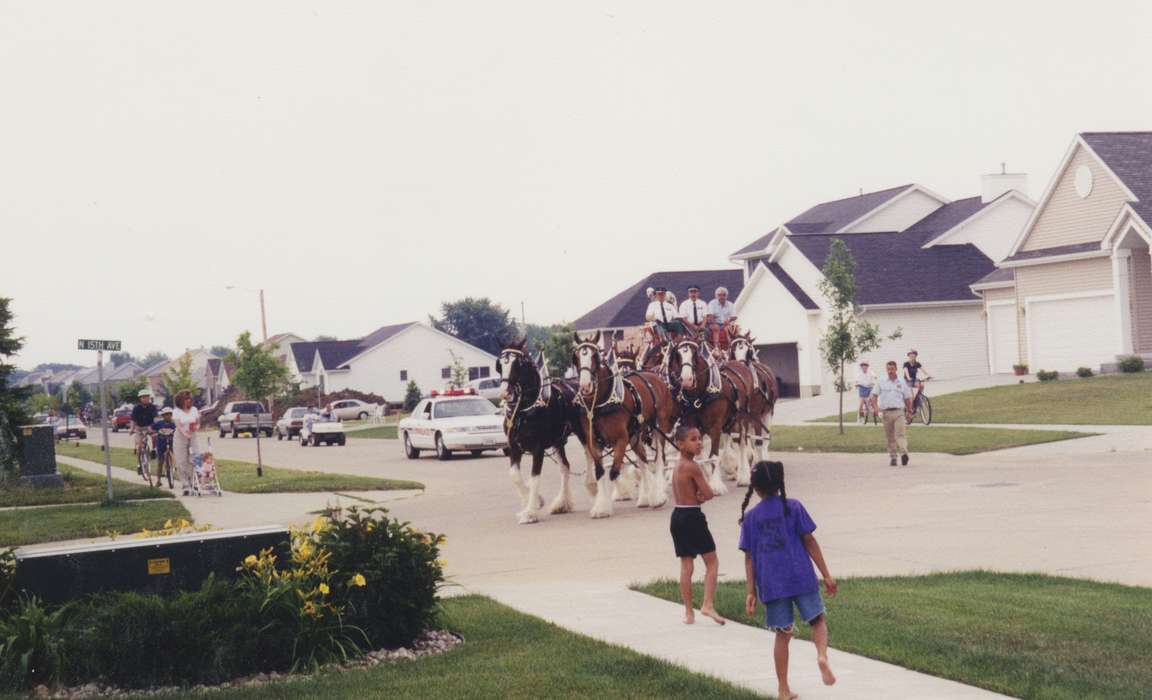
[1001,276]
[381,334]
[893,268]
[948,216]
[333,353]
[627,308]
[1055,251]
[791,285]
[1129,155]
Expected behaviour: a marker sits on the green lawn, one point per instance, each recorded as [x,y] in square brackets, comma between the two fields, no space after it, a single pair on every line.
[934,438]
[510,656]
[1113,399]
[1027,636]
[240,477]
[51,524]
[381,431]
[80,486]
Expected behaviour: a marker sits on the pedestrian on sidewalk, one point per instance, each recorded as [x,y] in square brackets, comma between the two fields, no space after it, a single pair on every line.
[690,534]
[184,444]
[895,401]
[779,549]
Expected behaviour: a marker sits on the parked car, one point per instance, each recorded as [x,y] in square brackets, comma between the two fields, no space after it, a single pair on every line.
[353,409]
[243,417]
[121,420]
[290,423]
[319,429]
[487,388]
[71,427]
[455,421]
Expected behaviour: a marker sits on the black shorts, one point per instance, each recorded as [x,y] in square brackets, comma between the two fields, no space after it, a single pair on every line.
[690,532]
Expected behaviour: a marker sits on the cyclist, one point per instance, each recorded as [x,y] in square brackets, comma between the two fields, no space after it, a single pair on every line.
[164,428]
[143,416]
[914,376]
[865,380]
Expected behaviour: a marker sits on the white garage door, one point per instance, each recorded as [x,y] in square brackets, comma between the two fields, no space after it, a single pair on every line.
[1064,334]
[1002,335]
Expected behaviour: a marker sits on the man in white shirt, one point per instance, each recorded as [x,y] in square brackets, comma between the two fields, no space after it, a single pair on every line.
[865,380]
[663,315]
[694,312]
[895,401]
[721,318]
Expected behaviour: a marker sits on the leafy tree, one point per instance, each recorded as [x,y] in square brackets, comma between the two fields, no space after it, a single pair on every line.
[42,403]
[220,351]
[120,358]
[412,396]
[324,338]
[152,358]
[77,397]
[847,336]
[12,414]
[179,378]
[129,389]
[459,372]
[260,376]
[476,321]
[558,350]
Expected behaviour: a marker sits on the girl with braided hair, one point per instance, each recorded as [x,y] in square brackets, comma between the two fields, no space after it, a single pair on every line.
[779,550]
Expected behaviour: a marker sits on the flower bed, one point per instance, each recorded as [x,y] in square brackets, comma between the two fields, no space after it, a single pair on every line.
[353,582]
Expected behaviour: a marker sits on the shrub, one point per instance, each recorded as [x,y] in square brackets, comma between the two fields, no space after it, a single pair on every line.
[1083,372]
[1131,363]
[400,566]
[1047,376]
[1020,368]
[412,396]
[30,638]
[7,578]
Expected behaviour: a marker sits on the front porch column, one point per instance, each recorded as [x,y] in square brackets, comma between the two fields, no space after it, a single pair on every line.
[1121,275]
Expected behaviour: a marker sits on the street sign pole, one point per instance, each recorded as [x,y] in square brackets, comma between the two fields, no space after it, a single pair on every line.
[104,420]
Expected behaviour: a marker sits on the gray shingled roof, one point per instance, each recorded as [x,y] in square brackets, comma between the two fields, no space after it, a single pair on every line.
[793,288]
[828,217]
[1129,155]
[948,216]
[383,333]
[627,308]
[998,276]
[1056,250]
[333,353]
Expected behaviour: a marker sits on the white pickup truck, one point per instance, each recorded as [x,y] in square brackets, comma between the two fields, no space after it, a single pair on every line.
[243,417]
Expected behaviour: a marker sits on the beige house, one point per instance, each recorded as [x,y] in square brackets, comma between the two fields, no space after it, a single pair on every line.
[1076,287]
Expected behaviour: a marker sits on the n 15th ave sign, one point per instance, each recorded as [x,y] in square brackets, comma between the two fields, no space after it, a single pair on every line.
[109,345]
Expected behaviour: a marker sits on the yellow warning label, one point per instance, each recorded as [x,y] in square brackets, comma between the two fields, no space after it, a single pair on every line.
[27,432]
[159,566]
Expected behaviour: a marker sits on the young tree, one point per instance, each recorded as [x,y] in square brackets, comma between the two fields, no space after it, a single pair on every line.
[12,414]
[260,376]
[459,372]
[558,350]
[476,321]
[179,378]
[412,396]
[848,336]
[130,389]
[77,398]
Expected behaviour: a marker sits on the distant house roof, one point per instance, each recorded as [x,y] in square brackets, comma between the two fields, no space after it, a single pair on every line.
[793,288]
[1129,155]
[1054,251]
[383,333]
[627,308]
[333,353]
[948,216]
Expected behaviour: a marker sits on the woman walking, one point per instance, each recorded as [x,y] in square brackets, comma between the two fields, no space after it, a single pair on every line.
[187,419]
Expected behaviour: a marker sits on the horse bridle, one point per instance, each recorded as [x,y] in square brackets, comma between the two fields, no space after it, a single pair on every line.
[595,366]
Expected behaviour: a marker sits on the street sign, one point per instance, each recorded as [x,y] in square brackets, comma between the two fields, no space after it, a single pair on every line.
[109,345]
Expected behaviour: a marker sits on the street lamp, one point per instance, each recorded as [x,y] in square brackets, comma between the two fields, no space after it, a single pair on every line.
[263,317]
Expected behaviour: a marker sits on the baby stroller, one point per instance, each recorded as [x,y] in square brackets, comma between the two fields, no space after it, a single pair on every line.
[205,480]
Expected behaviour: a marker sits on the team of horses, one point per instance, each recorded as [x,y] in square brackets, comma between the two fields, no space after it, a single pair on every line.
[623,405]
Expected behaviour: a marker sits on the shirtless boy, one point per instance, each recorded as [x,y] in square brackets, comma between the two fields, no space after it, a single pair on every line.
[689,527]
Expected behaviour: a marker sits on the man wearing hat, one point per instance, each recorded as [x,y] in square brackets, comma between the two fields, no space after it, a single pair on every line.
[865,380]
[694,312]
[663,315]
[143,416]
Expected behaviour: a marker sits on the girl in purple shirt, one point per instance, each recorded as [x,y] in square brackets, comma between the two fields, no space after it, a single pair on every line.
[779,549]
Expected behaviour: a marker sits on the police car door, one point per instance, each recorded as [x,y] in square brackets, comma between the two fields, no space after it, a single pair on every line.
[422,436]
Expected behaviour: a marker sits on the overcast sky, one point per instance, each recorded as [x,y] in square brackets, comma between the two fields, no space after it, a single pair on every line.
[365,161]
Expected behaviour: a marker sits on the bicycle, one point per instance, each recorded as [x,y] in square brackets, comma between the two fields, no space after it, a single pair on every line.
[164,462]
[922,406]
[144,458]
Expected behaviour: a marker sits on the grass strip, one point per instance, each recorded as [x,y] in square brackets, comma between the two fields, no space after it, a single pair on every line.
[385,432]
[511,656]
[20,527]
[80,486]
[1024,635]
[240,477]
[934,438]
[1112,399]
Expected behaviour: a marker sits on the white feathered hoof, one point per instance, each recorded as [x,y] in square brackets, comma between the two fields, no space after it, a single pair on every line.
[659,498]
[527,518]
[716,483]
[561,505]
[642,501]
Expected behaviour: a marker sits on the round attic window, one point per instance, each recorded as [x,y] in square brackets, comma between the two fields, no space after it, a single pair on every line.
[1083,181]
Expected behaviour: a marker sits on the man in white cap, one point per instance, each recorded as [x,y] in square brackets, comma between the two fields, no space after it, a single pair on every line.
[694,312]
[663,315]
[143,416]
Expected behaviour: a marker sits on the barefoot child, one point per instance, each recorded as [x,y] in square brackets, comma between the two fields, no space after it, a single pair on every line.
[779,549]
[689,527]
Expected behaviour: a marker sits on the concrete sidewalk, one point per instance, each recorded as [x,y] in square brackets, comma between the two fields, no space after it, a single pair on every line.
[736,653]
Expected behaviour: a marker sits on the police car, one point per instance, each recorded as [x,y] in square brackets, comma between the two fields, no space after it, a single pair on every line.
[457,420]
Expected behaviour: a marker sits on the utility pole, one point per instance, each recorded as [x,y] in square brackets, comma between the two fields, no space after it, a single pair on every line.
[263,317]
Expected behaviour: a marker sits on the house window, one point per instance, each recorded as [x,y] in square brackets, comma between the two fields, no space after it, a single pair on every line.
[445,372]
[484,371]
[403,375]
[473,372]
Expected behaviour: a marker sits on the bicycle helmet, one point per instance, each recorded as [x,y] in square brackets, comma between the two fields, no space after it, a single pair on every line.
[144,392]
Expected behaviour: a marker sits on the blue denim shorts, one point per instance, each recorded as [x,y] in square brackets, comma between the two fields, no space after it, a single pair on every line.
[863,391]
[778,613]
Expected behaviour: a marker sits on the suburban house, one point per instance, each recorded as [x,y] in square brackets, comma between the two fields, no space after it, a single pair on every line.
[622,314]
[917,254]
[385,360]
[281,347]
[209,371]
[1075,289]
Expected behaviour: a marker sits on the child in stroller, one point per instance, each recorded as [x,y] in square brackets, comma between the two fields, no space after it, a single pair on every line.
[207,481]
